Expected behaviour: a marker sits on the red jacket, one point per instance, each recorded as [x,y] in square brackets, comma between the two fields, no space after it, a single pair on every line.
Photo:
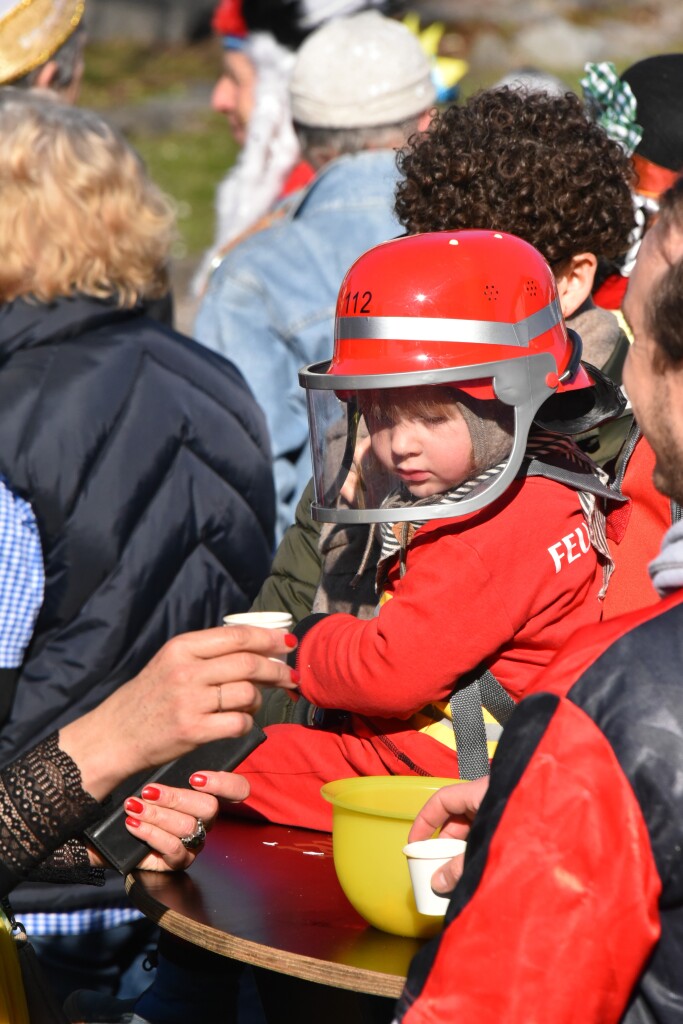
[570,910]
[505,586]
[635,531]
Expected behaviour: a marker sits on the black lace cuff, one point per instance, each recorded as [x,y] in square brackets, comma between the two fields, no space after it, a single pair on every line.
[43,806]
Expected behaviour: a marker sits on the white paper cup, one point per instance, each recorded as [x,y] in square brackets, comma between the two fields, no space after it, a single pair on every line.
[263,620]
[424,858]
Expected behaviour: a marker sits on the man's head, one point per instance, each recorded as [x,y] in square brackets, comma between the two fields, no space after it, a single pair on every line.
[656,84]
[234,92]
[242,28]
[641,110]
[361,82]
[529,164]
[653,373]
[41,45]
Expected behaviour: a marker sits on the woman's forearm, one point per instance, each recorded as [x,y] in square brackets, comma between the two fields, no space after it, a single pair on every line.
[43,805]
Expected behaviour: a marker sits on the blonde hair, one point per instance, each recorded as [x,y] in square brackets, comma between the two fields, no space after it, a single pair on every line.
[78,212]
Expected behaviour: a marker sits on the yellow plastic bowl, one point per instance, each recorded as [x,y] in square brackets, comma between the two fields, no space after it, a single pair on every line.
[371,819]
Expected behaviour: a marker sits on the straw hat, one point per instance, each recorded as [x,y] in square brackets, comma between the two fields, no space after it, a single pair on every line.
[32,30]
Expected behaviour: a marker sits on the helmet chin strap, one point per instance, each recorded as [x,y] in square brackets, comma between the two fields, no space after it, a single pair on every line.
[575,358]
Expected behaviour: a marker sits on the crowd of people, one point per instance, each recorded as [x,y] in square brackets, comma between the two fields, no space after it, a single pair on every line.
[429,408]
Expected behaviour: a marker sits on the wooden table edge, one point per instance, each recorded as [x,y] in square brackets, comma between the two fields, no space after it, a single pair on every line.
[324,972]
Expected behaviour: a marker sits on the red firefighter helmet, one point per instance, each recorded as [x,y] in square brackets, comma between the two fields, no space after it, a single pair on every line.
[450,299]
[477,310]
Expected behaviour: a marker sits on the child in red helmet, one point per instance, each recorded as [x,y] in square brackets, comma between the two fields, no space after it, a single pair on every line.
[451,362]
[451,350]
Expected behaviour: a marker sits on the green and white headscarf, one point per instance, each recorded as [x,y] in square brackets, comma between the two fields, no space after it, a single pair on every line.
[612,104]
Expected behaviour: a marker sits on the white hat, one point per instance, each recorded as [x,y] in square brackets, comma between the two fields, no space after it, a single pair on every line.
[359,72]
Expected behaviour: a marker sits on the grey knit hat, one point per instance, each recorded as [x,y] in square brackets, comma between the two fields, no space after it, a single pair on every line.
[360,72]
[492,429]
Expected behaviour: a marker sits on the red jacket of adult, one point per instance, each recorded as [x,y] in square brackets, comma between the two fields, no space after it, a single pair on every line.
[635,530]
[503,588]
[570,909]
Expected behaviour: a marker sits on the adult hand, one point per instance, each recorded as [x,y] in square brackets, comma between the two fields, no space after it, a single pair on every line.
[452,809]
[200,687]
[224,785]
[161,815]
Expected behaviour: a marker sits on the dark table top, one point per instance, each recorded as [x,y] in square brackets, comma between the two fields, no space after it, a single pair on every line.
[268,895]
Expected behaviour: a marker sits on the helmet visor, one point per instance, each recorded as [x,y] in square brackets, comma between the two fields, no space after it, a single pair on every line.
[385,451]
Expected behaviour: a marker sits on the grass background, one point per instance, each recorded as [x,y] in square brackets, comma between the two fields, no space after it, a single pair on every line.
[187,161]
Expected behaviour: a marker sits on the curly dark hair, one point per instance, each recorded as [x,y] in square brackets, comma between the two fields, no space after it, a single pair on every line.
[524,162]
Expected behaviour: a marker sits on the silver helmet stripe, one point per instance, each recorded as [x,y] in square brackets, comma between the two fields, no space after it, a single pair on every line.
[474,332]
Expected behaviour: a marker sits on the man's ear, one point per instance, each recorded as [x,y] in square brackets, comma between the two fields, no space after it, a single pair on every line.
[575,281]
[46,75]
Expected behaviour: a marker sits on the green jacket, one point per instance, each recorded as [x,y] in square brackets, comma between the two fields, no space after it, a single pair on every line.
[317,568]
[297,566]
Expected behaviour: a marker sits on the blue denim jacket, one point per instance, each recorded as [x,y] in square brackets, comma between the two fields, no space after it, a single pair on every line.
[270,304]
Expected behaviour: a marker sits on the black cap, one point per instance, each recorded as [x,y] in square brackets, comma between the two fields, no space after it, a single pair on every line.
[657,84]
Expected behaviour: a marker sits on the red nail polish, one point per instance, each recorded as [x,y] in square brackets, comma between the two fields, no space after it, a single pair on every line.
[198,780]
[151,793]
[294,675]
[290,640]
[136,806]
[133,822]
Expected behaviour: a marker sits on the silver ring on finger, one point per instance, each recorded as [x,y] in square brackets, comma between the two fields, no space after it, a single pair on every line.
[196,839]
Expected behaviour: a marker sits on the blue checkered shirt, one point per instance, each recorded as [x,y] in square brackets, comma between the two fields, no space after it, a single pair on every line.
[22,576]
[79,922]
[22,587]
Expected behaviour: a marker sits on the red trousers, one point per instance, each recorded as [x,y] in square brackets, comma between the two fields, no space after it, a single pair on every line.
[286,772]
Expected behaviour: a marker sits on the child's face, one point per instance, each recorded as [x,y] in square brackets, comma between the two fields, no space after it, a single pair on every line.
[420,435]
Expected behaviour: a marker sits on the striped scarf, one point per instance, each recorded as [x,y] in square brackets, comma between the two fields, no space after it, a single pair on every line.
[542,446]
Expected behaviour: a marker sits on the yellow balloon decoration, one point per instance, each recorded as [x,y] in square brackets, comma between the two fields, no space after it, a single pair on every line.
[446,71]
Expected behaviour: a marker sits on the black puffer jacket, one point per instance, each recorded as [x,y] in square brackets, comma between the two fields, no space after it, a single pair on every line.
[146,460]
